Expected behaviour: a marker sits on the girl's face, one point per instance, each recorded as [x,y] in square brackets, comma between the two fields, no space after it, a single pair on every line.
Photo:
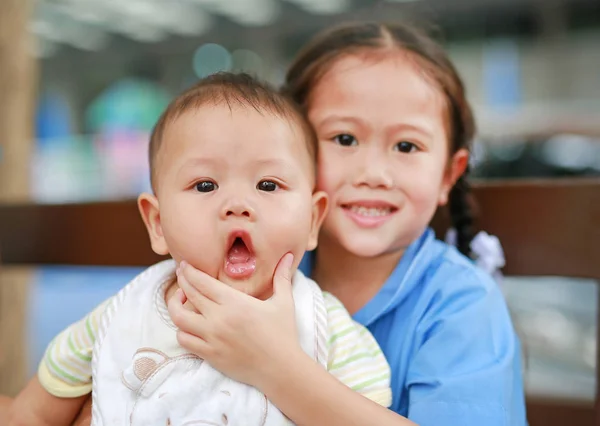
[383,151]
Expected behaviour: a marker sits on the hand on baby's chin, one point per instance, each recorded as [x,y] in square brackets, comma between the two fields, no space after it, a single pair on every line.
[245,338]
[186,303]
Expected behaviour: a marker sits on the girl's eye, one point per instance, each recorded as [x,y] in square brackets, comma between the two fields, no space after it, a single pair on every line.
[346,140]
[405,146]
[267,185]
[206,186]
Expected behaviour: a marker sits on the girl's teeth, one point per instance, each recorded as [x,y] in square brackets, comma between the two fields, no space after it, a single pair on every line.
[370,211]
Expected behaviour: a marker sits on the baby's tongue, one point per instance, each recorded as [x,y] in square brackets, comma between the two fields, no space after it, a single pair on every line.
[238,253]
[240,262]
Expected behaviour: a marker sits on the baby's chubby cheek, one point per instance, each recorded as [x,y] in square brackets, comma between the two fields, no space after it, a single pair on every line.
[202,259]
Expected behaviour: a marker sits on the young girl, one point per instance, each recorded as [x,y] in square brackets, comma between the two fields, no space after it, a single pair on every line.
[394,129]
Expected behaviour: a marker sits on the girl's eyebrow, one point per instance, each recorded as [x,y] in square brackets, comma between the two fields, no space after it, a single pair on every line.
[335,118]
[424,130]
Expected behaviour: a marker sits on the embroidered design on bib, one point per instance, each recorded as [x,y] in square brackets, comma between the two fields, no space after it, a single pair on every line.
[169,390]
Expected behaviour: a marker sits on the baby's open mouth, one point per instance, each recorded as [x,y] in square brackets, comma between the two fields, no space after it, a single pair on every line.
[240,261]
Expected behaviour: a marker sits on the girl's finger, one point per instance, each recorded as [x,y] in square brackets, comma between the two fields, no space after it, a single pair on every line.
[186,320]
[200,302]
[210,287]
[282,279]
[194,344]
[180,295]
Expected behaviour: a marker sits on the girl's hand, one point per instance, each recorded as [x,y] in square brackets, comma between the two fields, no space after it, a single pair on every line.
[245,338]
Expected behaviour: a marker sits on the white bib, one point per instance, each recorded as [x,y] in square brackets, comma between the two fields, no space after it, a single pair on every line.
[142,377]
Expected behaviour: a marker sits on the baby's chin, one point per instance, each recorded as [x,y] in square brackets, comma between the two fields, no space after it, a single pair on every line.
[255,286]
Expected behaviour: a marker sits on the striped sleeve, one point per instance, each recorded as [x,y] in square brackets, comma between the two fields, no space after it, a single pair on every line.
[66,369]
[355,358]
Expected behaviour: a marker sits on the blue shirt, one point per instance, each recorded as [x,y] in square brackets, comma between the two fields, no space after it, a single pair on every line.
[445,330]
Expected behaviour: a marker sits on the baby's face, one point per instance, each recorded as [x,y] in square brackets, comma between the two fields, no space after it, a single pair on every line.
[235,193]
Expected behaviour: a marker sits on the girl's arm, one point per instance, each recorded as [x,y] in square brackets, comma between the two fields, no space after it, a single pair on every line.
[309,395]
[255,342]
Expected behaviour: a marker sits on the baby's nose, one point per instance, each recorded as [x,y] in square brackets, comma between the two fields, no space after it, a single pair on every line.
[238,208]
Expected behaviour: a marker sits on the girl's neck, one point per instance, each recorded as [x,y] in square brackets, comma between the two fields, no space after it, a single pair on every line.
[354,280]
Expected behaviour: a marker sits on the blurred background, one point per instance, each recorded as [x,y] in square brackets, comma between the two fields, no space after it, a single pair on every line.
[108,68]
[105,69]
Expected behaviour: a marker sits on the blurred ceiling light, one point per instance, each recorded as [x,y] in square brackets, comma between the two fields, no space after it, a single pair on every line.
[211,58]
[88,39]
[330,7]
[322,7]
[192,22]
[252,12]
[45,30]
[178,18]
[89,12]
[147,20]
[208,3]
[138,8]
[140,31]
[76,34]
[245,12]
[139,20]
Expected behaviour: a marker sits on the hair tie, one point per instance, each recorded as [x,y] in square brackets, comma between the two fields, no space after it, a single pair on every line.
[487,251]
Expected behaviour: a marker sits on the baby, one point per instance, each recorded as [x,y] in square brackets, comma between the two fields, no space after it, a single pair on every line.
[233,174]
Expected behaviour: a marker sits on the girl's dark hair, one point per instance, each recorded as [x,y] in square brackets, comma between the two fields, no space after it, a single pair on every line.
[363,38]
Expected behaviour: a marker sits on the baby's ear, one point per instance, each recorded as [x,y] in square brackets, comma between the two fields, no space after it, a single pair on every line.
[146,362]
[149,209]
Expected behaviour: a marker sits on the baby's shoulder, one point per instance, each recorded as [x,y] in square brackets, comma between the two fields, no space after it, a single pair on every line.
[340,323]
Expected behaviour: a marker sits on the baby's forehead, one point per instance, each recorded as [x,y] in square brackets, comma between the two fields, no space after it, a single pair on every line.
[250,125]
[224,130]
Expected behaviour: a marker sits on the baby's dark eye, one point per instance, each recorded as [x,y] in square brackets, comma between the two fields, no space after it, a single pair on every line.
[206,186]
[405,146]
[267,185]
[346,140]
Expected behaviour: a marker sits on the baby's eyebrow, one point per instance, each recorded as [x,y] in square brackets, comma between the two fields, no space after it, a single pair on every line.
[204,161]
[272,162]
[199,163]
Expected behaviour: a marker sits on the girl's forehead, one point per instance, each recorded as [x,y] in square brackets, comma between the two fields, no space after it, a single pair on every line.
[390,66]
[394,81]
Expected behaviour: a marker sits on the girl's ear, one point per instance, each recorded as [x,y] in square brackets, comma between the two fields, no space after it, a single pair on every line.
[148,206]
[456,168]
[320,203]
